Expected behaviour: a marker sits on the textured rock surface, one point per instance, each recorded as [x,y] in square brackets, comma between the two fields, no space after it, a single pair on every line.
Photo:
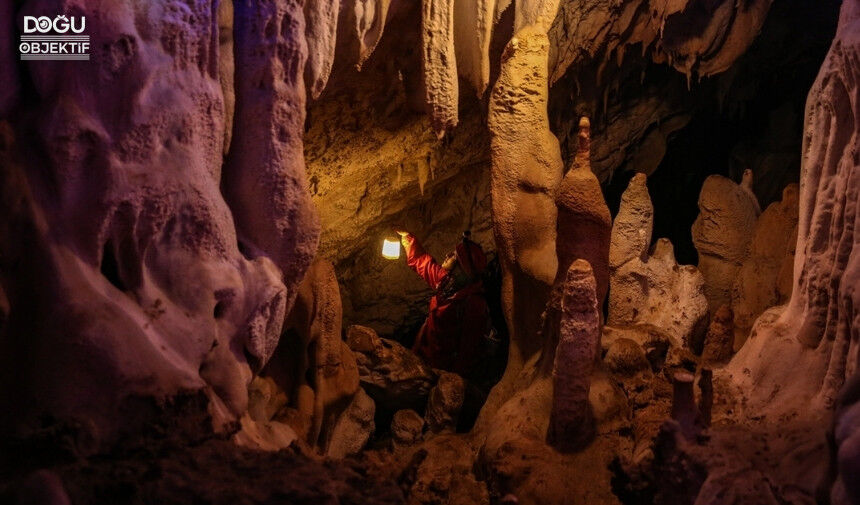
[584,223]
[264,177]
[572,424]
[814,335]
[445,402]
[150,292]
[844,436]
[526,170]
[312,364]
[406,426]
[764,279]
[439,63]
[321,30]
[722,234]
[391,374]
[652,289]
[694,38]
[719,342]
[352,430]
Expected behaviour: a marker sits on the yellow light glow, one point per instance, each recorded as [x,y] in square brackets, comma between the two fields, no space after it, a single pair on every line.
[391,248]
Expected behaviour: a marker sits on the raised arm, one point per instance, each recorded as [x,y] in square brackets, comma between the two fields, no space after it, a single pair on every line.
[422,263]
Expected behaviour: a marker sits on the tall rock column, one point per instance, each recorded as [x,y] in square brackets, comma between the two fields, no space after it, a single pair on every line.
[526,171]
[264,178]
[804,352]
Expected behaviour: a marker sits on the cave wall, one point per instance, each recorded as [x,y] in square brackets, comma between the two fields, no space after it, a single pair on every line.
[129,276]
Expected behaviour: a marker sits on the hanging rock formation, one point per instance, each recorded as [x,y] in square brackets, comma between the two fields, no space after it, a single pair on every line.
[584,223]
[572,423]
[722,233]
[320,33]
[652,289]
[798,356]
[764,279]
[473,29]
[264,177]
[662,29]
[439,64]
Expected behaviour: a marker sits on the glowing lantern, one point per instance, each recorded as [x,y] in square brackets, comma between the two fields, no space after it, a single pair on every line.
[391,248]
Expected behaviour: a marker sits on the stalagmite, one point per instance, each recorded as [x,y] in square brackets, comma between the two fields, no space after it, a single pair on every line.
[320,32]
[652,289]
[722,233]
[439,63]
[584,223]
[525,173]
[684,408]
[721,336]
[706,395]
[264,177]
[758,284]
[311,361]
[572,421]
[631,230]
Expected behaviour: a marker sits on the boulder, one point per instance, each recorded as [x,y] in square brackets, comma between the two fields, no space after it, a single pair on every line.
[625,357]
[395,377]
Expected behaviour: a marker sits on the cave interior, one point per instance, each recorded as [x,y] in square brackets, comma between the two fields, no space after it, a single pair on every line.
[632,224]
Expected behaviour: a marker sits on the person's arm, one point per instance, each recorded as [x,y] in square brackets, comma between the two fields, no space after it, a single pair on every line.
[422,263]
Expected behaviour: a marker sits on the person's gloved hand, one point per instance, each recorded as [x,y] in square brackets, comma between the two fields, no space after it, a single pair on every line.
[405,237]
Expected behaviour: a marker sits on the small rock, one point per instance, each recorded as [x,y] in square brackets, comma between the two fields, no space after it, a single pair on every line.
[446,400]
[626,357]
[406,427]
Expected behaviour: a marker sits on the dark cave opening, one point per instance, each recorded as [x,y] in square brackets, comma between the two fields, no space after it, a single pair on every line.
[749,117]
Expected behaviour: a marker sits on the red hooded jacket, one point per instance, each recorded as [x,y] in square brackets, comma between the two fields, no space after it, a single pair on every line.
[450,338]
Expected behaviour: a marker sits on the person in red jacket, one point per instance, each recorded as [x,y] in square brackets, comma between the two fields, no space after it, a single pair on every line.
[451,337]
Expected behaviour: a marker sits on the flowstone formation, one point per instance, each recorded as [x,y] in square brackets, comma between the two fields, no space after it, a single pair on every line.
[814,336]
